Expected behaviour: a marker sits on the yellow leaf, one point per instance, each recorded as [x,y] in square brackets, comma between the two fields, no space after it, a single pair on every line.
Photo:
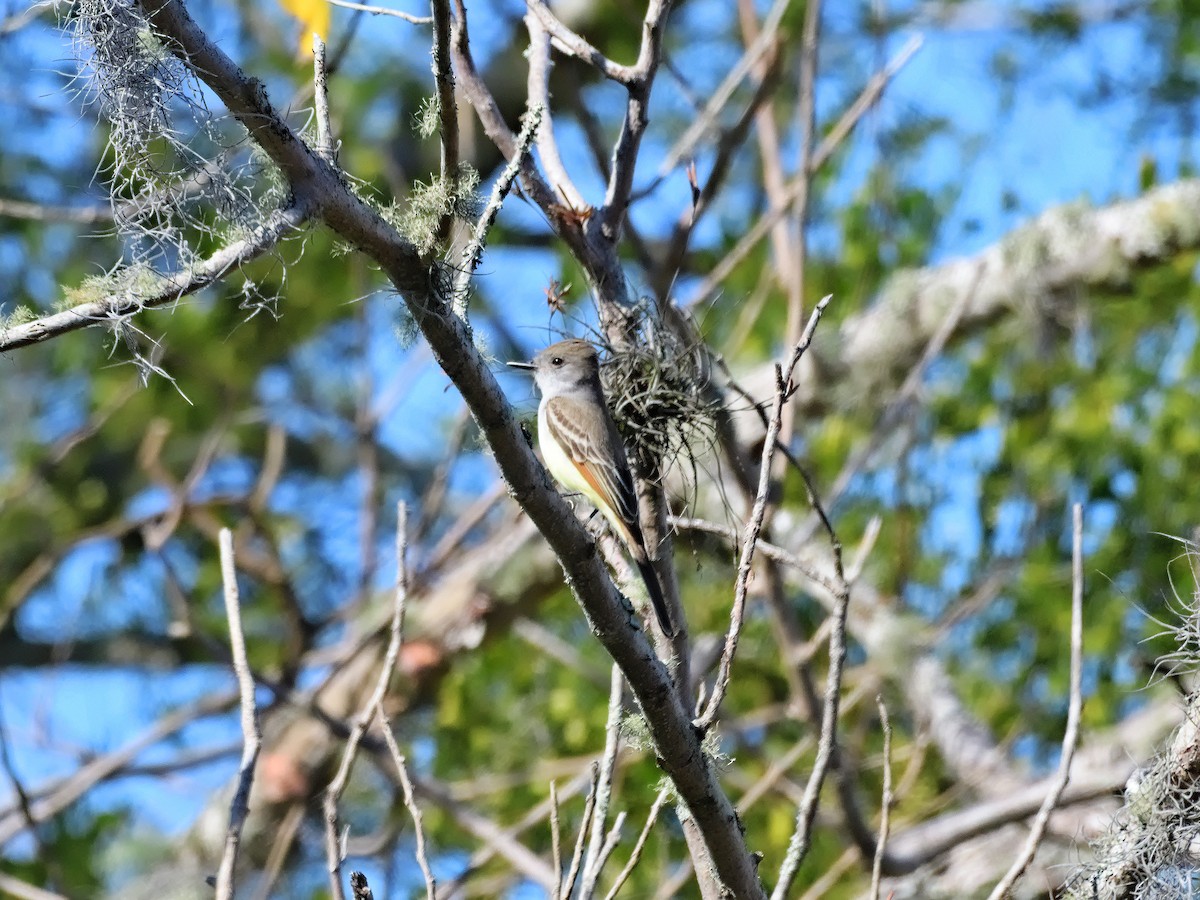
[313,16]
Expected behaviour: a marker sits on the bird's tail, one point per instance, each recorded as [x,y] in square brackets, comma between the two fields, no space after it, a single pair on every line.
[661,612]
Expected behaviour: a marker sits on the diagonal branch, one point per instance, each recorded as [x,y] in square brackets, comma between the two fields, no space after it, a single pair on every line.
[472,254]
[783,377]
[782,205]
[594,862]
[443,74]
[410,803]
[759,50]
[1071,734]
[539,97]
[488,111]
[576,45]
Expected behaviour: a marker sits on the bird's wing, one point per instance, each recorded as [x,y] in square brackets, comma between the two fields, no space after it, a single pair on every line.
[590,441]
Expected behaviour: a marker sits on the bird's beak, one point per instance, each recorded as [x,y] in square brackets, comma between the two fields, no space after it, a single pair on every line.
[523,365]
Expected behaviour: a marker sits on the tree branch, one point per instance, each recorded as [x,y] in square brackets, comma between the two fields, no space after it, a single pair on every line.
[783,377]
[473,253]
[782,204]
[609,217]
[251,734]
[443,74]
[575,45]
[1071,734]
[382,11]
[122,304]
[363,721]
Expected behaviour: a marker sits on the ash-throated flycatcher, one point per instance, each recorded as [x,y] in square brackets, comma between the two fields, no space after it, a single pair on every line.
[583,450]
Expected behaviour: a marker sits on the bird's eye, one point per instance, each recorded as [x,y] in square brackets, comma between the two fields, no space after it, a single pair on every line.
[557,361]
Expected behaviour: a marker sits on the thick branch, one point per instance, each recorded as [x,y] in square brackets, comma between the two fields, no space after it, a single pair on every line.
[1065,247]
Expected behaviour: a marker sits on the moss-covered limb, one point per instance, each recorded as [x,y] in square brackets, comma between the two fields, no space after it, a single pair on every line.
[1066,247]
[715,825]
[138,289]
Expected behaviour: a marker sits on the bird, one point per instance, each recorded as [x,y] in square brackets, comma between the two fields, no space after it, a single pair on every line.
[583,450]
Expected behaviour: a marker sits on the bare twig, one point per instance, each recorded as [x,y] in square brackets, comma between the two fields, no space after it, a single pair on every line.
[820,888]
[23,800]
[54,799]
[827,745]
[568,884]
[771,551]
[546,809]
[633,128]
[362,721]
[885,806]
[325,147]
[899,404]
[730,143]
[706,120]
[473,252]
[612,743]
[274,455]
[783,376]
[575,45]
[501,840]
[865,546]
[1071,735]
[251,735]
[539,96]
[410,803]
[452,540]
[443,75]
[779,767]
[382,11]
[281,848]
[610,844]
[559,649]
[555,839]
[480,97]
[636,855]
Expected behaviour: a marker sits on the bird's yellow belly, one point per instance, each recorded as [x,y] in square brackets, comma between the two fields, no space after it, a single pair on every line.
[563,469]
